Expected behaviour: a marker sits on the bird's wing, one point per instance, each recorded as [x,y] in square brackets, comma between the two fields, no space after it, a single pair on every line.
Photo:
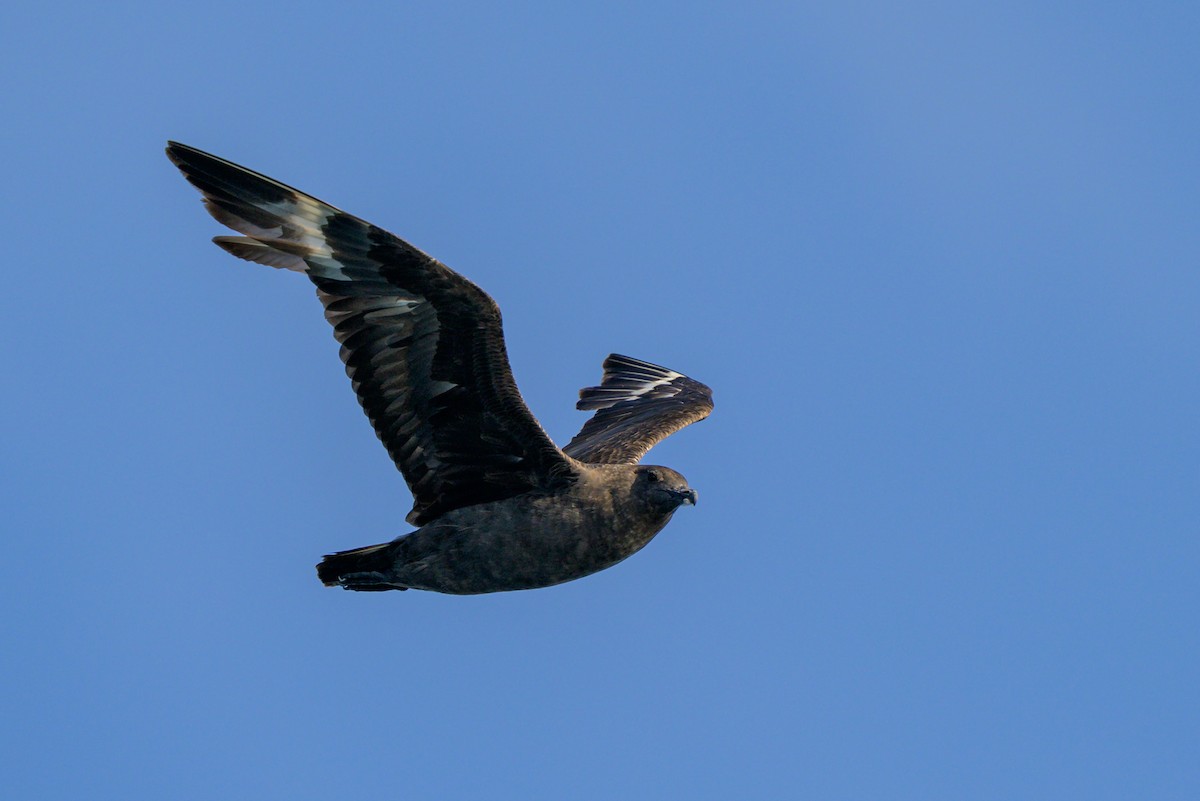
[637,405]
[422,345]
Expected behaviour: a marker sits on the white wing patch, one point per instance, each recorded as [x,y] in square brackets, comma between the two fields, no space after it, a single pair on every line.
[306,220]
[626,379]
[661,382]
[300,235]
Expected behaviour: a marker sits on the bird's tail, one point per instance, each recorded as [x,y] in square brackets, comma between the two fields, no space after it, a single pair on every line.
[352,569]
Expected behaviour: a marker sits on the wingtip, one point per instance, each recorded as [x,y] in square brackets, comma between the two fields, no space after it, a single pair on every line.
[186,157]
[618,360]
[175,150]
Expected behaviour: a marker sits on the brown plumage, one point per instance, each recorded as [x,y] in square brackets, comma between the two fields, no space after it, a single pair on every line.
[498,505]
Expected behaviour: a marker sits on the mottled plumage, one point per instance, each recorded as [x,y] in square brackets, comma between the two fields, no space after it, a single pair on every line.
[498,505]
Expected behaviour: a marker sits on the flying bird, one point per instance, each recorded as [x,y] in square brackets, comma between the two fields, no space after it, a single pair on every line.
[497,505]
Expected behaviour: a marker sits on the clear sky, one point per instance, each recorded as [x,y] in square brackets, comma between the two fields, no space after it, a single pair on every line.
[938,261]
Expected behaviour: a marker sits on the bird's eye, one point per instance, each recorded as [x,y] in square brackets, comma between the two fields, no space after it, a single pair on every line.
[653,477]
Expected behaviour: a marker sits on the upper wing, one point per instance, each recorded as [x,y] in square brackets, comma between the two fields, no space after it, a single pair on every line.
[638,404]
[422,345]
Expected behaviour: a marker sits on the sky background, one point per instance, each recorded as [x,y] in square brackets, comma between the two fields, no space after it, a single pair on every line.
[937,260]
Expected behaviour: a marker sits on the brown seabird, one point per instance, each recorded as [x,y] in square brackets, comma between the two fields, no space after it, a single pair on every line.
[497,504]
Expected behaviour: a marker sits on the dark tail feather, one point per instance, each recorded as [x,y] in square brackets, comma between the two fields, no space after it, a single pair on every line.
[371,559]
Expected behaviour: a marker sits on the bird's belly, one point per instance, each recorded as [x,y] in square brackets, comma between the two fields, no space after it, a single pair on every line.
[468,554]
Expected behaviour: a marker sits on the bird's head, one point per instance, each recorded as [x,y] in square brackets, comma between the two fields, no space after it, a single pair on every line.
[662,489]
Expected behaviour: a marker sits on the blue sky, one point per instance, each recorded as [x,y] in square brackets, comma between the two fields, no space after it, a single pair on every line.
[937,260]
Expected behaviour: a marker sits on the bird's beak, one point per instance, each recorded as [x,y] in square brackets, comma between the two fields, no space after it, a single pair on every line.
[687,496]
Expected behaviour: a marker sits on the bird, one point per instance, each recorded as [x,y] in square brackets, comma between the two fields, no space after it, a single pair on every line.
[497,506]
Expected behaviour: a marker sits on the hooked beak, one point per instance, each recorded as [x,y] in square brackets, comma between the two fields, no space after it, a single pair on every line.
[687,496]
